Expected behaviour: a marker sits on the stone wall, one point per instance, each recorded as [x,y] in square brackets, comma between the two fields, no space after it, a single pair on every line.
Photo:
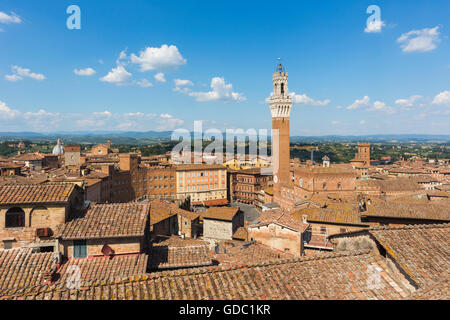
[35,217]
[217,229]
[94,246]
[278,238]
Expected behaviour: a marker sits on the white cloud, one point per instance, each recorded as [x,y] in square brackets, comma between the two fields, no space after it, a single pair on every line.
[305,100]
[105,113]
[118,75]
[144,83]
[220,92]
[381,106]
[39,121]
[123,59]
[11,18]
[84,72]
[6,112]
[364,102]
[13,77]
[159,77]
[409,102]
[153,58]
[420,40]
[182,83]
[335,122]
[374,26]
[19,73]
[442,99]
[362,122]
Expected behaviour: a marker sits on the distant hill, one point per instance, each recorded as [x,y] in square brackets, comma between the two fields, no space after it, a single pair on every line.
[151,137]
[402,138]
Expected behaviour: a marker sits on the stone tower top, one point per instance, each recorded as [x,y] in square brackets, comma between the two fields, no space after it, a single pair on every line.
[280,101]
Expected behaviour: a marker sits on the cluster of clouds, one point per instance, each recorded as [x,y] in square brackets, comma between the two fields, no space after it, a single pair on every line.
[150,59]
[439,105]
[365,103]
[10,18]
[154,59]
[420,40]
[374,26]
[43,121]
[220,91]
[19,73]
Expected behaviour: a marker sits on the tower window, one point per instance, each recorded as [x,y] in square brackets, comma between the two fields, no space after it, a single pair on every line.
[282,88]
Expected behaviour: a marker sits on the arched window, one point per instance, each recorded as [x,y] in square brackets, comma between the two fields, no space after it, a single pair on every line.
[339,186]
[15,218]
[282,88]
[324,186]
[39,217]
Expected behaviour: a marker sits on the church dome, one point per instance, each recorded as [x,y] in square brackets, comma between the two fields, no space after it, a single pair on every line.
[58,149]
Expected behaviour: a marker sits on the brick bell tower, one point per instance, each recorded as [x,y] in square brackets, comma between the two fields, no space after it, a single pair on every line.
[280,108]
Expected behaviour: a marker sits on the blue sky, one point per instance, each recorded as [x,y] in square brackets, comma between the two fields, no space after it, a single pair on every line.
[160,65]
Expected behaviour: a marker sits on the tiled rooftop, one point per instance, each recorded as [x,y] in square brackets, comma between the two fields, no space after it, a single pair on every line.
[36,193]
[220,213]
[161,210]
[167,257]
[422,251]
[104,268]
[235,252]
[409,210]
[108,221]
[439,290]
[334,276]
[344,213]
[20,268]
[281,218]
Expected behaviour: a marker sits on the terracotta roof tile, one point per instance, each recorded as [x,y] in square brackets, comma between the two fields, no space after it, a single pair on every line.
[279,217]
[220,213]
[334,276]
[36,193]
[235,252]
[344,213]
[438,290]
[20,268]
[168,257]
[108,221]
[422,251]
[97,269]
[409,210]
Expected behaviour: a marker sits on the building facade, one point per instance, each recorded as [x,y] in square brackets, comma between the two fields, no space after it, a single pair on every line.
[201,183]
